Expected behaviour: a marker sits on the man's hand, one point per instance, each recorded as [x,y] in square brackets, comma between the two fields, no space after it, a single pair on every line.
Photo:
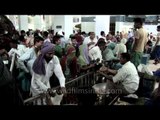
[103,69]
[61,90]
[51,92]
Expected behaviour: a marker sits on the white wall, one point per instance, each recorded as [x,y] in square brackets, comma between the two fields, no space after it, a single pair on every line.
[31,24]
[23,22]
[68,29]
[102,24]
[118,26]
[38,22]
[125,26]
[66,21]
[76,16]
[151,28]
[88,26]
[48,22]
[58,21]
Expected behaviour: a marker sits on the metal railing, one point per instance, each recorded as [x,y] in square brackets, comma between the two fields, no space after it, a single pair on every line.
[85,80]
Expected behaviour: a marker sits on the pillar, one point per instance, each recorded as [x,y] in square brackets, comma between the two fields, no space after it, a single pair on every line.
[39,22]
[23,22]
[64,23]
[102,23]
[88,23]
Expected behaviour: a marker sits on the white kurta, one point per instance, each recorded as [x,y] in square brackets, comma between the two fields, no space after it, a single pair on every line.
[128,76]
[21,49]
[28,57]
[120,48]
[40,83]
[88,40]
[95,53]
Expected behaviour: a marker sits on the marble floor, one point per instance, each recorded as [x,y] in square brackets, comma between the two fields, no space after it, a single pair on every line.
[152,66]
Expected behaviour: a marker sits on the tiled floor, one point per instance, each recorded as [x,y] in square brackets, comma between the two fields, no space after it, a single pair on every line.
[152,66]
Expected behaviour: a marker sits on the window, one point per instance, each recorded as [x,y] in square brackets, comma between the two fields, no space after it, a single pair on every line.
[151,20]
[75,19]
[58,26]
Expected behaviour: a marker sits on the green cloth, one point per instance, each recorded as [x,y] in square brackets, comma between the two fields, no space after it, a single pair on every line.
[107,54]
[136,58]
[111,45]
[81,61]
[83,57]
[25,83]
[58,51]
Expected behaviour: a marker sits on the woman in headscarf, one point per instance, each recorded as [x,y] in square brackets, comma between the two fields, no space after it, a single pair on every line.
[69,63]
[83,58]
[43,68]
[84,55]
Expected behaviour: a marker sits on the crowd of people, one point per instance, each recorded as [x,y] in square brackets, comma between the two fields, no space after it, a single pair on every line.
[35,61]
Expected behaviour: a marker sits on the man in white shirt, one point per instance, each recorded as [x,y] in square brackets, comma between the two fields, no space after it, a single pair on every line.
[125,80]
[19,49]
[15,52]
[23,46]
[120,48]
[91,41]
[30,56]
[43,68]
[95,53]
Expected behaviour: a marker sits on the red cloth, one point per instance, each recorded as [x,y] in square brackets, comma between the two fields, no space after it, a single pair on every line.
[79,38]
[72,66]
